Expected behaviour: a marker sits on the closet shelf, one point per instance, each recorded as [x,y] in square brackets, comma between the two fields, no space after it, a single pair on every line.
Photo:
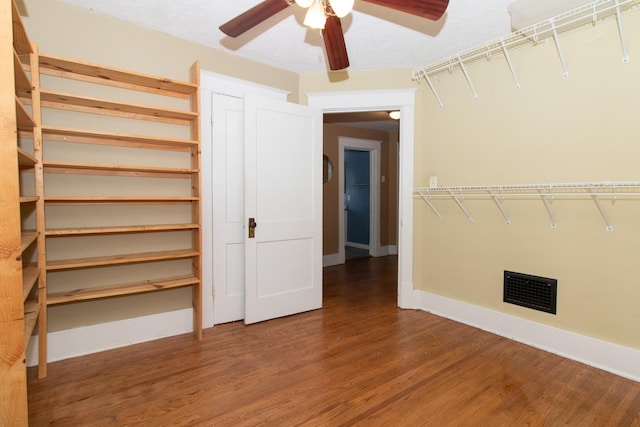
[27,238]
[31,312]
[20,40]
[25,160]
[105,138]
[23,118]
[71,102]
[28,199]
[30,274]
[581,189]
[98,261]
[85,231]
[114,77]
[121,289]
[23,84]
[62,200]
[100,169]
[595,191]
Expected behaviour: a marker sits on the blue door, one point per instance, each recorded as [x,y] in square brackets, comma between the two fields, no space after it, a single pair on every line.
[357,196]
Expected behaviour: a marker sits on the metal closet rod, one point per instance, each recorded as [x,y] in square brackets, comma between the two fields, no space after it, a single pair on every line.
[590,12]
[545,192]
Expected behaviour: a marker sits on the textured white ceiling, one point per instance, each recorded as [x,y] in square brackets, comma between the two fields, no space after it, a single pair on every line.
[376,37]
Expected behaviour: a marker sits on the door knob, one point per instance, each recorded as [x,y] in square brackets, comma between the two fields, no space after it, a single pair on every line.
[252,227]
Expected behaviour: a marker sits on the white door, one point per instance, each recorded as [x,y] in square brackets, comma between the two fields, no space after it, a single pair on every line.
[228,208]
[283,196]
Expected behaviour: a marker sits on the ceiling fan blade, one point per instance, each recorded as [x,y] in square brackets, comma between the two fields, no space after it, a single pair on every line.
[334,44]
[253,17]
[430,9]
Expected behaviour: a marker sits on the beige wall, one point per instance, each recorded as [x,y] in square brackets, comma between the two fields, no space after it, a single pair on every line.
[65,30]
[553,129]
[388,189]
[583,128]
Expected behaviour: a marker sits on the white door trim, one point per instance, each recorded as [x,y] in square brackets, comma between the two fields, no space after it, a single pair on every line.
[383,100]
[374,149]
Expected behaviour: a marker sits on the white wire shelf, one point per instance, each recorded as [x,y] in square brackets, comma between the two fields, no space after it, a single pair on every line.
[595,191]
[590,13]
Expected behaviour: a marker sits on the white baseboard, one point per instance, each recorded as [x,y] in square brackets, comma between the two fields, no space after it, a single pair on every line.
[330,259]
[604,355]
[357,245]
[106,336]
[388,250]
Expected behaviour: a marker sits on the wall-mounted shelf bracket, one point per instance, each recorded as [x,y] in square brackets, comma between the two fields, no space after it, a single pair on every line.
[505,52]
[427,200]
[433,89]
[556,39]
[499,205]
[596,200]
[466,75]
[547,205]
[625,56]
[458,201]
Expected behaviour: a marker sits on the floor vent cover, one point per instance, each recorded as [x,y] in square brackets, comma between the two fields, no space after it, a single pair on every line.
[538,293]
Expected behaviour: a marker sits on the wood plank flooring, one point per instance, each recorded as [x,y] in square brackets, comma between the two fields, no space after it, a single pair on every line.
[360,361]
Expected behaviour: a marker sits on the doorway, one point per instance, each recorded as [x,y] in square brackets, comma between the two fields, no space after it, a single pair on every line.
[357,209]
[359,201]
[387,100]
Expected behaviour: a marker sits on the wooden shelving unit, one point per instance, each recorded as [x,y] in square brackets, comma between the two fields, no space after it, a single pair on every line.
[91,79]
[21,278]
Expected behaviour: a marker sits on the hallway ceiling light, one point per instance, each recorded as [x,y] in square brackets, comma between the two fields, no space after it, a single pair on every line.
[395,115]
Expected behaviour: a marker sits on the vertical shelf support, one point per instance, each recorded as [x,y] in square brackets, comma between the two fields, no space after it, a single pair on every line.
[461,206]
[508,58]
[556,39]
[603,213]
[499,205]
[427,200]
[466,75]
[625,55]
[547,205]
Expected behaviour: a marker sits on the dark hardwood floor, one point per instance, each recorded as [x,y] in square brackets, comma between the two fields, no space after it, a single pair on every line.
[358,361]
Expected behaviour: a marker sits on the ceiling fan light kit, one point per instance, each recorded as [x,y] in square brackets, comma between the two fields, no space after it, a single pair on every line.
[325,15]
[315,17]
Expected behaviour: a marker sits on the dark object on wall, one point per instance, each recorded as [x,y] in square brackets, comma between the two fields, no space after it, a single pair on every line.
[538,293]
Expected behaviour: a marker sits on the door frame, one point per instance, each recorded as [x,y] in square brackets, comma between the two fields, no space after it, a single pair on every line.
[374,149]
[386,100]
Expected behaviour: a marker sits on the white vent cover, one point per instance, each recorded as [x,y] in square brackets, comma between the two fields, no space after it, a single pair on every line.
[525,13]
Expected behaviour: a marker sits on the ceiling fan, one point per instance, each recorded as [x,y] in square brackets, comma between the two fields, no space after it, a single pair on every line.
[325,15]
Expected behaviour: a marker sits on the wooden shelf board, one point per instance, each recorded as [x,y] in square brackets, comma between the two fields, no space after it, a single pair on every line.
[27,238]
[31,312]
[112,76]
[105,138]
[67,167]
[121,289]
[67,264]
[71,102]
[28,199]
[26,160]
[23,118]
[23,84]
[30,274]
[20,40]
[83,231]
[60,200]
